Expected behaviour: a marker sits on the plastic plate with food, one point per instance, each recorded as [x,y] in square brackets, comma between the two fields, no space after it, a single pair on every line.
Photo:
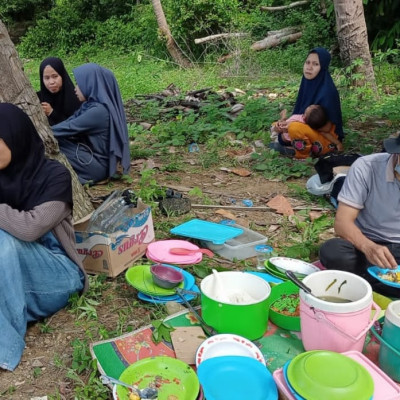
[390,277]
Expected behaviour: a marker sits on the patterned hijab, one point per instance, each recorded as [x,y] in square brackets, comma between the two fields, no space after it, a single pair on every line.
[321,90]
[64,102]
[99,84]
[30,179]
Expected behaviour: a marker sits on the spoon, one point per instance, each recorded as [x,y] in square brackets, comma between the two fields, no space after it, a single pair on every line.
[208,329]
[298,282]
[184,252]
[219,289]
[146,393]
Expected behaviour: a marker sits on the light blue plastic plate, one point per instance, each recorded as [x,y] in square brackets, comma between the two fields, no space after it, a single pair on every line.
[375,271]
[236,377]
[166,299]
[205,230]
[267,277]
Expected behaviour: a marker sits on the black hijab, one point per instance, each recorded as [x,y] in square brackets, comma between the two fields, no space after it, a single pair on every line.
[30,179]
[64,102]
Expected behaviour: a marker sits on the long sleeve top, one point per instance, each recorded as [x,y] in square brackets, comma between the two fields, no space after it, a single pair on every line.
[29,226]
[91,124]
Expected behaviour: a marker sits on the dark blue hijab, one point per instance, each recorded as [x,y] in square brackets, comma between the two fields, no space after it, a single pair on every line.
[30,179]
[321,90]
[99,84]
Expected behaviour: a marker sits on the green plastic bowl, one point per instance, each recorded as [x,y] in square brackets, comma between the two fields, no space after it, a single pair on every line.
[283,321]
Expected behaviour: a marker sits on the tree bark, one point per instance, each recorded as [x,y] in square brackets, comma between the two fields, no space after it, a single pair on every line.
[15,88]
[172,47]
[353,38]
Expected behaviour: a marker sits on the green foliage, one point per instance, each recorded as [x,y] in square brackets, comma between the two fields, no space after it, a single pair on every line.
[82,361]
[22,10]
[81,357]
[45,327]
[84,306]
[149,190]
[162,331]
[87,25]
[273,166]
[191,19]
[256,117]
[306,236]
[382,22]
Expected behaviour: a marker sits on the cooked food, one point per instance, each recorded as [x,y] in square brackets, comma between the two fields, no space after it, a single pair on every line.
[287,304]
[390,276]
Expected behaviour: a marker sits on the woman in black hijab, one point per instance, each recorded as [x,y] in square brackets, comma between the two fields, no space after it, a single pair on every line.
[39,265]
[57,93]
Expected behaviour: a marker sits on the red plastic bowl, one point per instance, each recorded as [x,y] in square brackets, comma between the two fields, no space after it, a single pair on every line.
[166,277]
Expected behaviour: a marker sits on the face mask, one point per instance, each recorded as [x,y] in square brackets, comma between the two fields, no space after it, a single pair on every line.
[397,168]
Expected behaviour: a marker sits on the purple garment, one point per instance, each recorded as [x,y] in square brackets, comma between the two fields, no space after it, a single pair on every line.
[321,90]
[98,84]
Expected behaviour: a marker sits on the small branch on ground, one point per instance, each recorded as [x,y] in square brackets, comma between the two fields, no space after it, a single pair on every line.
[281,8]
[221,36]
[273,41]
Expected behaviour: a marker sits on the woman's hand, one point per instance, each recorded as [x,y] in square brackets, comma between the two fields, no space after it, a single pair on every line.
[47,108]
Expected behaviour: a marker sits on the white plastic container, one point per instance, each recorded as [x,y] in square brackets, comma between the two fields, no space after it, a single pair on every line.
[240,247]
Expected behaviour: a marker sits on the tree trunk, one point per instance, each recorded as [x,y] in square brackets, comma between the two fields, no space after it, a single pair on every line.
[353,38]
[15,88]
[172,47]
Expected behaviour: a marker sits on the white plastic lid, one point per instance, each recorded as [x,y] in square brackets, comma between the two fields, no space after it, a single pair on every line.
[392,313]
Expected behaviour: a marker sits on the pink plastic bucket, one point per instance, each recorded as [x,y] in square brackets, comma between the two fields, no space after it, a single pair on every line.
[339,327]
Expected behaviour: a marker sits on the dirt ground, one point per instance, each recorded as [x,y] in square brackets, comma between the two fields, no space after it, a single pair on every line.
[39,373]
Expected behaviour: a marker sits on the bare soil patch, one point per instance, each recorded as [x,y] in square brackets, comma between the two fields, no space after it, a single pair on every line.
[48,355]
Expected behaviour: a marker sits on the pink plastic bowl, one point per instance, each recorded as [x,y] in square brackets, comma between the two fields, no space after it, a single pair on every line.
[166,277]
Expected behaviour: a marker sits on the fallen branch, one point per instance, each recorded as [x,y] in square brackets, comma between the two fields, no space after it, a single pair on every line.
[272,41]
[285,31]
[222,59]
[280,8]
[220,36]
[255,208]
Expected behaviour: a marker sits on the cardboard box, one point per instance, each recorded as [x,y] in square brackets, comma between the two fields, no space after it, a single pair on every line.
[113,253]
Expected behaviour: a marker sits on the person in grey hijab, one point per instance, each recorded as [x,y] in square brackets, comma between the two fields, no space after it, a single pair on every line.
[95,138]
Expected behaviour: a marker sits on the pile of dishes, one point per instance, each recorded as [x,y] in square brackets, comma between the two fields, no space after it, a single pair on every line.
[141,278]
[232,367]
[321,374]
[173,379]
[277,266]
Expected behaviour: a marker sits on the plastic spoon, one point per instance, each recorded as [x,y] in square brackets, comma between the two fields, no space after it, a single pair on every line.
[219,291]
[146,393]
[184,252]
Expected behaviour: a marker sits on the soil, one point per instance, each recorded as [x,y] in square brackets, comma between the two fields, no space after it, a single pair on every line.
[43,368]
